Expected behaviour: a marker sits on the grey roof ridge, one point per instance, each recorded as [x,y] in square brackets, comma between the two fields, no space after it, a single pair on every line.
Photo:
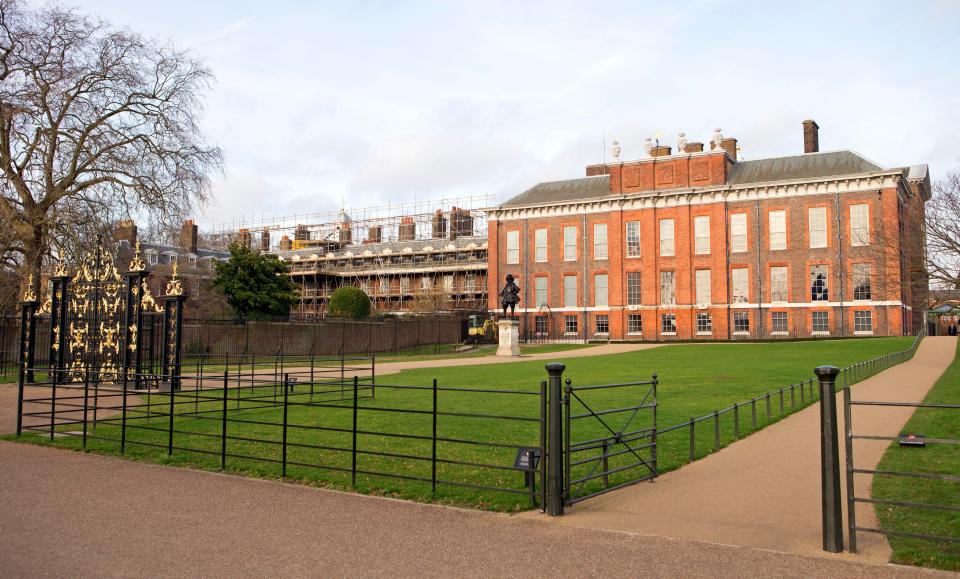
[833,152]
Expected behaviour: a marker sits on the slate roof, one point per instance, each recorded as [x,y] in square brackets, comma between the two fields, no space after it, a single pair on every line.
[806,166]
[795,167]
[568,190]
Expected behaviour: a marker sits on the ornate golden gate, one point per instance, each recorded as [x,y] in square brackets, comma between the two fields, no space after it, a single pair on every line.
[97,322]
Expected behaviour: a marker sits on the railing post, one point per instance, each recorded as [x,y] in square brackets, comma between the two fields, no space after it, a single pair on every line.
[848,444]
[170,421]
[736,420]
[223,424]
[555,498]
[86,401]
[605,464]
[433,447]
[830,460]
[353,463]
[716,430]
[693,440]
[286,395]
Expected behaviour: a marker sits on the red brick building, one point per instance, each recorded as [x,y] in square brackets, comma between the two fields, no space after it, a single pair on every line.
[699,245]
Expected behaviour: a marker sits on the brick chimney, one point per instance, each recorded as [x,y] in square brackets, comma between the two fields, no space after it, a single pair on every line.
[407,230]
[126,230]
[811,136]
[285,243]
[188,236]
[660,151]
[693,147]
[264,241]
[730,146]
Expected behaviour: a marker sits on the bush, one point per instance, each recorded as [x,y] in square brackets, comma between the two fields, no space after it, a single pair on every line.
[350,302]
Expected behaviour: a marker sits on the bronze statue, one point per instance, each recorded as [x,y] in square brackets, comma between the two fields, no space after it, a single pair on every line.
[510,296]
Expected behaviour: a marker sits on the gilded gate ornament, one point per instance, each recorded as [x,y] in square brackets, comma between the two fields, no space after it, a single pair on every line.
[96,308]
[28,294]
[174,287]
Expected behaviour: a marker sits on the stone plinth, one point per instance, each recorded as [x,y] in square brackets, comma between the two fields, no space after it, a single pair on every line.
[509,333]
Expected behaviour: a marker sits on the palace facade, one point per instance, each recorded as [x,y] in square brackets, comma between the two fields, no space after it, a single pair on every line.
[697,244]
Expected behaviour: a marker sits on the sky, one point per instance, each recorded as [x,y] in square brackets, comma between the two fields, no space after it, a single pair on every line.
[323,105]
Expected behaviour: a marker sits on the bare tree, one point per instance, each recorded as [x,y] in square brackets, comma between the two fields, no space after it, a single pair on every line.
[96,124]
[943,234]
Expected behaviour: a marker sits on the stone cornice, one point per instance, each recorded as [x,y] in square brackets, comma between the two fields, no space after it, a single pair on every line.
[855,183]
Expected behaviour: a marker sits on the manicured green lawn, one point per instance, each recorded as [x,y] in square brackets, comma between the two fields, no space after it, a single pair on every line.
[943,459]
[694,380]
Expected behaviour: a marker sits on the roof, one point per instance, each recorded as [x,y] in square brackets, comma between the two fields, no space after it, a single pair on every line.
[795,167]
[201,252]
[806,166]
[569,190]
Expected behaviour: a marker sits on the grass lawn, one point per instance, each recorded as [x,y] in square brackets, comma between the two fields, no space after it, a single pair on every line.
[694,380]
[943,459]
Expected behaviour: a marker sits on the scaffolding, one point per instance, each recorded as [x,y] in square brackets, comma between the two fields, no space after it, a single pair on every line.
[429,254]
[333,230]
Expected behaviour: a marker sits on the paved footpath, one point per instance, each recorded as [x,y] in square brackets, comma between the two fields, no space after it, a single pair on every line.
[64,513]
[764,491]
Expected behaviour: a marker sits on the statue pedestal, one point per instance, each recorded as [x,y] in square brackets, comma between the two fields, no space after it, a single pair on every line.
[509,334]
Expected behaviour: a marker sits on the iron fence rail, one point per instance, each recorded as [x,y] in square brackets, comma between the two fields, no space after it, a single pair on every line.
[222,417]
[852,499]
[633,444]
[779,403]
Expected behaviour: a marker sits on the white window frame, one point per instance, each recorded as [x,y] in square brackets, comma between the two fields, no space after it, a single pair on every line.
[513,247]
[740,285]
[778,229]
[599,241]
[704,289]
[817,227]
[773,324]
[633,238]
[668,291]
[540,245]
[667,238]
[601,290]
[569,243]
[707,328]
[813,323]
[630,324]
[859,316]
[701,235]
[570,291]
[738,233]
[541,293]
[779,276]
[634,298]
[605,318]
[859,225]
[856,271]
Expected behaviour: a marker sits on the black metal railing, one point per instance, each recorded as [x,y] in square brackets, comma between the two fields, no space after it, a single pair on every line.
[851,470]
[608,448]
[332,423]
[708,433]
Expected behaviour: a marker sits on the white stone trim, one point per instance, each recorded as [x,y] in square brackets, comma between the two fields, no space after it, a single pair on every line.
[856,183]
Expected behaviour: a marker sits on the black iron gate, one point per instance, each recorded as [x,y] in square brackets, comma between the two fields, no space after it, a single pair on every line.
[610,437]
[104,327]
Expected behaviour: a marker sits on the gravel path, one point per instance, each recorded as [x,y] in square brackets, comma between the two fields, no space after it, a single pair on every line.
[764,491]
[64,513]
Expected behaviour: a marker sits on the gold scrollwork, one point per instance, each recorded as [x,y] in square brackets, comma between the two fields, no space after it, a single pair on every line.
[174,287]
[137,263]
[28,293]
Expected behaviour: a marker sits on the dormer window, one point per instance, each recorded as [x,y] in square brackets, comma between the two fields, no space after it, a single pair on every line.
[172,259]
[153,257]
[192,260]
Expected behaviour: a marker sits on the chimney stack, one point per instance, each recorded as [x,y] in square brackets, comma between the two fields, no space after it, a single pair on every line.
[730,146]
[264,241]
[188,236]
[660,151]
[693,147]
[407,230]
[439,225]
[811,136]
[285,243]
[126,230]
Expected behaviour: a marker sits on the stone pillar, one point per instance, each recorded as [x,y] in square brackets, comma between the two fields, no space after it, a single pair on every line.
[509,334]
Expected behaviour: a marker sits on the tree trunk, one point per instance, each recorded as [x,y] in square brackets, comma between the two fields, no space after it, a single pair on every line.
[33,253]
